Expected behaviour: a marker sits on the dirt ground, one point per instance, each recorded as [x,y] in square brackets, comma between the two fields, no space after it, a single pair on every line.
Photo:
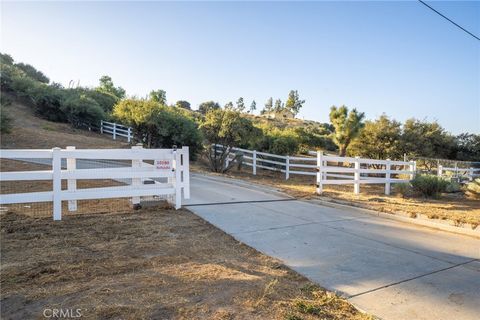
[31,132]
[455,207]
[153,263]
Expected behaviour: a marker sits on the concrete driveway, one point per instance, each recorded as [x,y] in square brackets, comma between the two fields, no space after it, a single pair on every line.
[391,269]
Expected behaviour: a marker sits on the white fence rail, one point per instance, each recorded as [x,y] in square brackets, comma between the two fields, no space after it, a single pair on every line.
[456,172]
[116,130]
[170,165]
[330,169]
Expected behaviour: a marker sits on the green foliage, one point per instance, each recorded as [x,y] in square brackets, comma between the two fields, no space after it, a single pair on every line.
[159,126]
[205,107]
[453,187]
[82,111]
[347,126]
[183,104]
[159,96]
[429,185]
[474,187]
[49,104]
[6,59]
[33,73]
[379,139]
[307,308]
[106,85]
[279,106]
[427,139]
[5,120]
[294,103]
[253,107]
[468,147]
[268,106]
[404,189]
[240,105]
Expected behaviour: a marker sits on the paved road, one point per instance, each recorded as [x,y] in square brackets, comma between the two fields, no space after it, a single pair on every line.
[391,269]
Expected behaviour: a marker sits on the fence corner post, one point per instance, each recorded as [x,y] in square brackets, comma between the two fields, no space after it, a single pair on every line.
[356,178]
[57,183]
[114,131]
[136,163]
[101,126]
[287,168]
[72,183]
[319,172]
[388,167]
[254,162]
[129,132]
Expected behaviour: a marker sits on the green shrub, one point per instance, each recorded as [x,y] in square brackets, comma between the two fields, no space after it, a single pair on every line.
[48,104]
[404,189]
[82,111]
[474,187]
[453,187]
[5,121]
[429,185]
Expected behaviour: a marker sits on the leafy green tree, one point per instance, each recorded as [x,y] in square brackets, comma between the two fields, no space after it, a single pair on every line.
[347,126]
[33,73]
[379,139]
[268,106]
[49,104]
[207,106]
[6,59]
[468,147]
[183,104]
[294,103]
[225,129]
[253,107]
[279,106]
[427,139]
[229,106]
[82,111]
[159,96]
[106,85]
[240,105]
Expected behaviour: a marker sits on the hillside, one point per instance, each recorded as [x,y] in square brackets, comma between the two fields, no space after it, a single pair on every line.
[31,132]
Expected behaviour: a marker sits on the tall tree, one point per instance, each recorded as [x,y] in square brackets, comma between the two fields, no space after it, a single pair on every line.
[204,107]
[294,103]
[253,107]
[159,96]
[268,106]
[279,106]
[240,105]
[183,104]
[106,85]
[347,126]
[229,106]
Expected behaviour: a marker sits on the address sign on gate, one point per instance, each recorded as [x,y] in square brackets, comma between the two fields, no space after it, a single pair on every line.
[163,164]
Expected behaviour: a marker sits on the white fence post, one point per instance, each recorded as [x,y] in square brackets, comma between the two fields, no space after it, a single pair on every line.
[356,186]
[177,182]
[129,133]
[413,169]
[136,163]
[319,172]
[114,131]
[387,177]
[72,183]
[287,168]
[186,172]
[440,171]
[101,126]
[57,183]
[470,174]
[254,162]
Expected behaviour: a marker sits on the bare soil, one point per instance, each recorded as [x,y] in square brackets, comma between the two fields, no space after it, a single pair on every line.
[154,263]
[456,207]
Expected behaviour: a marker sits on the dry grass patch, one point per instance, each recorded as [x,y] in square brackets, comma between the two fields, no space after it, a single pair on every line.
[151,264]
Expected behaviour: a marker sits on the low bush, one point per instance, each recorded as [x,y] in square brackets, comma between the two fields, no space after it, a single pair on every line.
[453,187]
[429,185]
[473,188]
[404,189]
[82,111]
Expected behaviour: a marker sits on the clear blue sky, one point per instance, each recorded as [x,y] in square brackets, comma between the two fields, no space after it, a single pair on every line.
[394,57]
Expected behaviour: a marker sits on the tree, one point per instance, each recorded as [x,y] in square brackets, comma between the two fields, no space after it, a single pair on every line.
[225,129]
[279,106]
[183,104]
[159,126]
[204,107]
[253,107]
[106,85]
[240,105]
[82,111]
[427,139]
[159,96]
[268,106]
[379,139]
[294,104]
[229,106]
[347,126]
[468,147]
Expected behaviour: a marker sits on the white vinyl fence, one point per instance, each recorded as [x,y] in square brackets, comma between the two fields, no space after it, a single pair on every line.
[116,130]
[166,176]
[330,169]
[460,173]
